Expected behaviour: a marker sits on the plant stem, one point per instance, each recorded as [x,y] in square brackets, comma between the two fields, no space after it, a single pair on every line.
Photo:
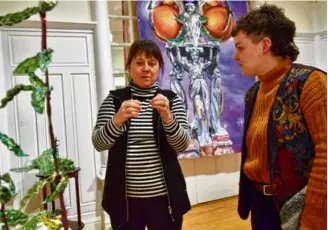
[50,126]
[4,219]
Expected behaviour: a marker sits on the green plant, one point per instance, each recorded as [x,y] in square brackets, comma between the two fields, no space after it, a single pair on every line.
[53,169]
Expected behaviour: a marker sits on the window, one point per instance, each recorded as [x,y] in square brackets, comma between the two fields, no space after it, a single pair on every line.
[123,29]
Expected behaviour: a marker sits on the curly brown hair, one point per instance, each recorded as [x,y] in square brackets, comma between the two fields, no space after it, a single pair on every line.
[270,21]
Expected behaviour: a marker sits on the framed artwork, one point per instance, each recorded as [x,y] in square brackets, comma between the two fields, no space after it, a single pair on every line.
[196,43]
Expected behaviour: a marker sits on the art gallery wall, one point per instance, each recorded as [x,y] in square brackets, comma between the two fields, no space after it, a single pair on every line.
[296,10]
[207,178]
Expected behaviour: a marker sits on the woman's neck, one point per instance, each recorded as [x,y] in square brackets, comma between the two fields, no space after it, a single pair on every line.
[279,68]
[137,91]
[275,74]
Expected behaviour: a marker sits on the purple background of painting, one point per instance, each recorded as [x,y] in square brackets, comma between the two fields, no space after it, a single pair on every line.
[233,82]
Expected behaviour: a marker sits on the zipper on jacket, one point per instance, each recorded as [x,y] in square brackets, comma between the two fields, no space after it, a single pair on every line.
[167,190]
[126,194]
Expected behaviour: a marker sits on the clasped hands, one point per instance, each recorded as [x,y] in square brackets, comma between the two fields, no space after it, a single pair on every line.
[131,108]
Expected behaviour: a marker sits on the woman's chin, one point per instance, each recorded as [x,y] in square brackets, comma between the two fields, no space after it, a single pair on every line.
[145,84]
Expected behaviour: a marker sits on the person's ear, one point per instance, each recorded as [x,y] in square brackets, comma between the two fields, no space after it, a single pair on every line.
[266,45]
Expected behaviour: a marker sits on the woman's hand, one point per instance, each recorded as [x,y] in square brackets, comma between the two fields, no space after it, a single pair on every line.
[162,104]
[128,109]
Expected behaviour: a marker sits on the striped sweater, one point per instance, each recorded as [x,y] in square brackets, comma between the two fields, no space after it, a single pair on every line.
[144,174]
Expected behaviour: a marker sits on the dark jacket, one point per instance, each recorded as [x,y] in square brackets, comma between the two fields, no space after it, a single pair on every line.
[290,148]
[114,197]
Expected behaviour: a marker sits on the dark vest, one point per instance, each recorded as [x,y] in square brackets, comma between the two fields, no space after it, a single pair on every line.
[114,196]
[290,148]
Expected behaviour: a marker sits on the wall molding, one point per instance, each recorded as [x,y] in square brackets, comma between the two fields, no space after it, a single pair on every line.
[59,25]
[311,35]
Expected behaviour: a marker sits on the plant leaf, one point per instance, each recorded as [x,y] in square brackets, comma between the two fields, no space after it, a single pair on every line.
[35,80]
[7,188]
[13,92]
[51,224]
[44,163]
[31,223]
[11,185]
[22,169]
[65,165]
[11,145]
[47,5]
[36,188]
[41,217]
[14,217]
[45,59]
[30,65]
[14,18]
[58,190]
[38,98]
[4,195]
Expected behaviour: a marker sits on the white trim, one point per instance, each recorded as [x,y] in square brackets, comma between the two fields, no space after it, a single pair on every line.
[322,33]
[75,31]
[311,34]
[123,17]
[118,44]
[56,25]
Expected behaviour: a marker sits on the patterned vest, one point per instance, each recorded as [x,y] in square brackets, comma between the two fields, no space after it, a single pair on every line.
[290,148]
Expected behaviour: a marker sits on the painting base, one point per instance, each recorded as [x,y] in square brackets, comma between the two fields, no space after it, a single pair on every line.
[222,144]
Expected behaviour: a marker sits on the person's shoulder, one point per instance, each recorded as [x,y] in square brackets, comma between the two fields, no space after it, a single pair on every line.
[318,74]
[317,78]
[309,75]
[310,69]
[120,91]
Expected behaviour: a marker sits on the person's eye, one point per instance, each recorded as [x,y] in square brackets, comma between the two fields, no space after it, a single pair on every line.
[240,48]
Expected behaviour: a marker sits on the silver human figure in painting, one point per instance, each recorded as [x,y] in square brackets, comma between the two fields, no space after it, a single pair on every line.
[216,98]
[192,22]
[176,76]
[198,89]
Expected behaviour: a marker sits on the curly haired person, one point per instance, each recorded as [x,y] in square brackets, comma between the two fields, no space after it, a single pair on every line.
[285,134]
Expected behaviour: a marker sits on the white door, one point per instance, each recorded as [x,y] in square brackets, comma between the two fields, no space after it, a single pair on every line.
[73,108]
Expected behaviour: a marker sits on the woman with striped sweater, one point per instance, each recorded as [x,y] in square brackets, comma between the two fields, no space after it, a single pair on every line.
[143,127]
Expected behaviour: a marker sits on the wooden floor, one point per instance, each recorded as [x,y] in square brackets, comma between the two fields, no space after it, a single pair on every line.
[215,215]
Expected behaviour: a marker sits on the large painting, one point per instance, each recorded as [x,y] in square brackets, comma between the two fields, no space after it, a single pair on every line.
[195,39]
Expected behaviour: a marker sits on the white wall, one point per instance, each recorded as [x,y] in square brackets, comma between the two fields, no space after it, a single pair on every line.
[298,12]
[309,16]
[67,11]
[319,14]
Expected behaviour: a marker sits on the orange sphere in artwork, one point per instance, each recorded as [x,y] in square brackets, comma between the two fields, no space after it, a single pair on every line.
[166,26]
[212,2]
[216,22]
[168,2]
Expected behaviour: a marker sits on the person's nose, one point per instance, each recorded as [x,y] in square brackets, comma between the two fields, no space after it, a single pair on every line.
[146,68]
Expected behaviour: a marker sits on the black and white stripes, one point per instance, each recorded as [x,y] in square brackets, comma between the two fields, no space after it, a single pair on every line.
[144,172]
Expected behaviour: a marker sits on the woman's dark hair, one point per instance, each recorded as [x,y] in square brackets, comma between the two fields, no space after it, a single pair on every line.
[270,21]
[149,48]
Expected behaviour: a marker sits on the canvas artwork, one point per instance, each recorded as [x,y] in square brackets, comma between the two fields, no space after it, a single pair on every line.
[195,39]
